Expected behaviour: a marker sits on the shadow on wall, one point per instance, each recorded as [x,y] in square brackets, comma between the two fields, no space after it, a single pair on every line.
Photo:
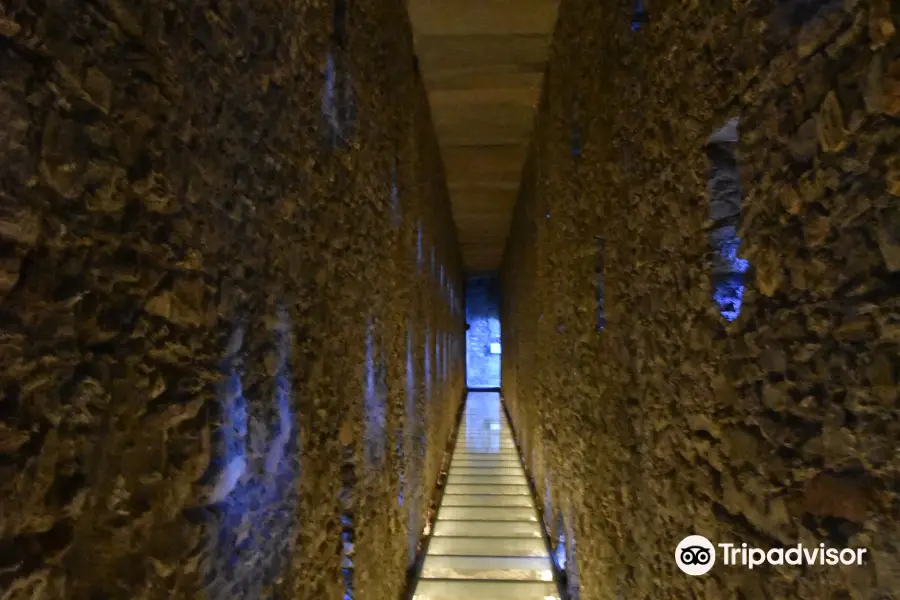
[483,348]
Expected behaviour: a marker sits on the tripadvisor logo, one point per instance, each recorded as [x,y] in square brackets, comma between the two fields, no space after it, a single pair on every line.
[696,555]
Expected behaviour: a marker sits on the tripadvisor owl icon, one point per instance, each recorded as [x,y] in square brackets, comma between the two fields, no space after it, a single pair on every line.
[695,555]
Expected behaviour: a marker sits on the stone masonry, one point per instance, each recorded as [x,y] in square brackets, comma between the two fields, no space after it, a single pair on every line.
[780,426]
[226,371]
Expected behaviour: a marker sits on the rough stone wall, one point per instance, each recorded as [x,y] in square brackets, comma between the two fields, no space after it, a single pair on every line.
[483,318]
[778,427]
[214,323]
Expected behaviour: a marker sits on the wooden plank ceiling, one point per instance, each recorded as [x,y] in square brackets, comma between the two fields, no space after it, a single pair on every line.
[482,62]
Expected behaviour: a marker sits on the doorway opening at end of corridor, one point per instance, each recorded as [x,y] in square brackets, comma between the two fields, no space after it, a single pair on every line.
[484,347]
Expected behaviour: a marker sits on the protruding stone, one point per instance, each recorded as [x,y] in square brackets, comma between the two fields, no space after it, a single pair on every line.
[107,198]
[129,23]
[156,194]
[740,445]
[892,176]
[848,38]
[12,439]
[881,25]
[18,224]
[816,230]
[830,124]
[345,436]
[818,31]
[769,276]
[854,330]
[99,88]
[160,305]
[889,244]
[14,119]
[773,360]
[9,273]
[791,200]
[775,397]
[830,496]
[881,371]
[701,422]
[890,100]
[182,305]
[874,85]
[804,143]
[8,27]
[63,159]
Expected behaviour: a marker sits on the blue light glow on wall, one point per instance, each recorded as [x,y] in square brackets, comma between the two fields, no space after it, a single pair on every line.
[234,434]
[348,532]
[571,562]
[419,244]
[564,548]
[375,403]
[427,374]
[576,145]
[396,210]
[447,350]
[411,464]
[329,98]
[445,355]
[548,497]
[347,549]
[338,104]
[639,16]
[600,282]
[253,493]
[438,357]
[400,461]
[729,272]
[427,379]
[559,552]
[724,191]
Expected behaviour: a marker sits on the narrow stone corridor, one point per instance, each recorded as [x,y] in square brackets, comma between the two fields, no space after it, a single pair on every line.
[255,253]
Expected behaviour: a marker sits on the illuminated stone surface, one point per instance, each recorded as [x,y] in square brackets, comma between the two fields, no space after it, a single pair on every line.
[483,545]
[231,294]
[744,386]
[209,303]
